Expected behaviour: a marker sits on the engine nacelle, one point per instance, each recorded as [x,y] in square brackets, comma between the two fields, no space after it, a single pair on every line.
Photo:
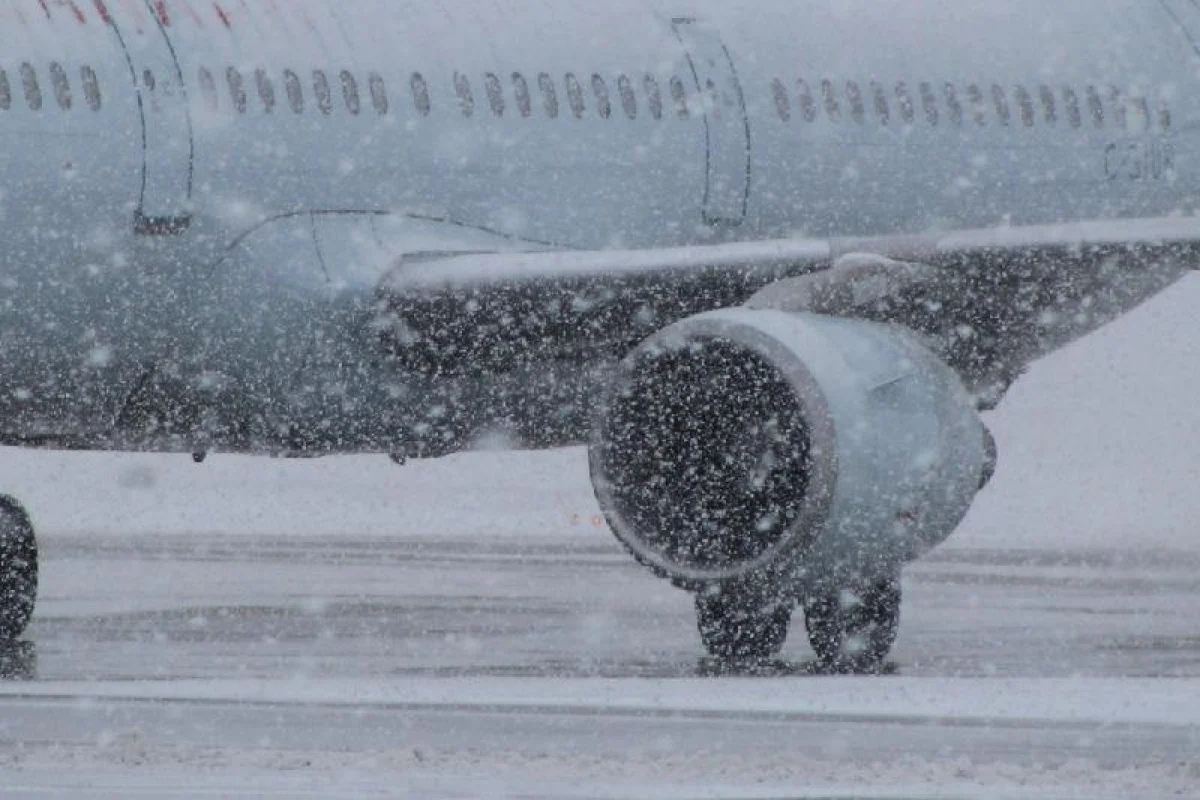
[797,448]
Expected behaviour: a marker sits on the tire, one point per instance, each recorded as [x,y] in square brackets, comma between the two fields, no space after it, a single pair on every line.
[739,627]
[18,569]
[852,631]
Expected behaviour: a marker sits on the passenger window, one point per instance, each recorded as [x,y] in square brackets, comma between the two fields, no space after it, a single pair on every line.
[882,111]
[1049,108]
[266,90]
[1025,103]
[628,99]
[5,91]
[1142,109]
[521,89]
[907,111]
[1164,115]
[462,88]
[653,97]
[783,106]
[549,95]
[350,92]
[1071,101]
[237,89]
[1000,99]
[294,91]
[808,106]
[854,95]
[600,89]
[953,106]
[322,92]
[1095,107]
[62,88]
[379,96]
[832,109]
[33,92]
[929,103]
[495,94]
[679,95]
[575,96]
[975,98]
[420,93]
[1117,101]
[208,88]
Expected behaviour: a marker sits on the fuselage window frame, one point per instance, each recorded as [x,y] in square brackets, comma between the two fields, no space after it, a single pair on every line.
[628,98]
[91,87]
[908,111]
[808,106]
[978,105]
[294,89]
[953,105]
[323,92]
[832,109]
[929,103]
[266,90]
[237,89]
[495,93]
[521,92]
[1049,105]
[350,95]
[653,96]
[33,91]
[1074,113]
[883,110]
[783,106]
[1095,106]
[61,85]
[679,97]
[377,89]
[5,91]
[1000,101]
[420,94]
[600,90]
[549,95]
[574,95]
[208,88]
[855,98]
[1025,106]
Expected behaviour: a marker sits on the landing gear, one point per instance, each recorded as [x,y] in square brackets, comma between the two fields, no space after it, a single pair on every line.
[18,569]
[852,631]
[739,626]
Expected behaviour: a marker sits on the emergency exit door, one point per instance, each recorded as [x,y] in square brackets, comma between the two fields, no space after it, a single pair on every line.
[727,131]
[164,204]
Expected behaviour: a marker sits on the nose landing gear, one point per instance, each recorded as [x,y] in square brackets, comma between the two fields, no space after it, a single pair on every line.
[18,569]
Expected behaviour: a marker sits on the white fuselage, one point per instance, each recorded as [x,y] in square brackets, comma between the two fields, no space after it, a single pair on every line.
[195,192]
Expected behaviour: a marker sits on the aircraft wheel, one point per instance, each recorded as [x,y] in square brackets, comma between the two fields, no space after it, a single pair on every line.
[739,626]
[853,630]
[18,569]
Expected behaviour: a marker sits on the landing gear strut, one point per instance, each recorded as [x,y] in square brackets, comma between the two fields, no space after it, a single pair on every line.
[852,630]
[18,569]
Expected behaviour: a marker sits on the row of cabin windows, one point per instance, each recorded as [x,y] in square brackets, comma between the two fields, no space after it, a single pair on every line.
[577,92]
[60,84]
[1112,107]
[239,86]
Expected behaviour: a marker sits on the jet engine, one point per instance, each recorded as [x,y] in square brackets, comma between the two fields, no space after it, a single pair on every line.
[795,453]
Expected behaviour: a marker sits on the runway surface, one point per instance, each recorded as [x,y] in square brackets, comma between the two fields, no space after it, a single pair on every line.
[466,627]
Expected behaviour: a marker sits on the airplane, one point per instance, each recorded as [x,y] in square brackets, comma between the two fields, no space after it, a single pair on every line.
[767,260]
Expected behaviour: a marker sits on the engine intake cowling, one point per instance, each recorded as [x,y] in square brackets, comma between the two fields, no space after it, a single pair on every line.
[742,443]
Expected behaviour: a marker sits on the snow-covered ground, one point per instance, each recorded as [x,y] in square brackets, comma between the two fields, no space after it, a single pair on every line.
[465,627]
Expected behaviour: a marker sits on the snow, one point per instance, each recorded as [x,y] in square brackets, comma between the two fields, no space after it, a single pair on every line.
[1095,489]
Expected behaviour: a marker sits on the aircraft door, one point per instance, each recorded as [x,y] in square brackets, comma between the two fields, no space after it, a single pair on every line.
[727,130]
[165,198]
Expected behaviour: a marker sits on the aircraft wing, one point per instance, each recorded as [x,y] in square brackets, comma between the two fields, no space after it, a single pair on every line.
[988,300]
